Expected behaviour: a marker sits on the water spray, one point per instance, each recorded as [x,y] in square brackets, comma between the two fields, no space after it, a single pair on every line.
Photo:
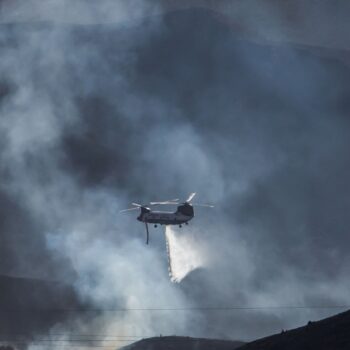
[182,257]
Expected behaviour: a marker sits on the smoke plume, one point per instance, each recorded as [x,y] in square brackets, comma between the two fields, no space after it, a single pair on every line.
[105,104]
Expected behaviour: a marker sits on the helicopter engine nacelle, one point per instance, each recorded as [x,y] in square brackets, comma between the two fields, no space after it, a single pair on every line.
[186,209]
[144,210]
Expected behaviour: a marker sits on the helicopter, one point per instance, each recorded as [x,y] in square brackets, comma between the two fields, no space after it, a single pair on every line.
[182,215]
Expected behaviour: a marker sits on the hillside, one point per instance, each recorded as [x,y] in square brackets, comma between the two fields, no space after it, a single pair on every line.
[185,343]
[329,333]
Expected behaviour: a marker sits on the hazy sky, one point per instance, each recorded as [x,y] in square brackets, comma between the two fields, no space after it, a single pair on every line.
[97,114]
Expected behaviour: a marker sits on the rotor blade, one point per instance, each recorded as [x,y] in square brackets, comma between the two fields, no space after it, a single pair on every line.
[124,210]
[137,205]
[190,197]
[169,201]
[202,205]
[161,203]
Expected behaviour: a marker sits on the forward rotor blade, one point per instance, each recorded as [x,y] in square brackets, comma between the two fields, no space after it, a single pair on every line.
[124,210]
[190,197]
[137,205]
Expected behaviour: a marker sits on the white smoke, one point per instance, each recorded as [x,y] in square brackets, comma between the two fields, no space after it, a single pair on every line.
[182,254]
[77,12]
[113,269]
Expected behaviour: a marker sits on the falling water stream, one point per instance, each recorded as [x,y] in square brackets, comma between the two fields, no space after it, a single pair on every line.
[182,255]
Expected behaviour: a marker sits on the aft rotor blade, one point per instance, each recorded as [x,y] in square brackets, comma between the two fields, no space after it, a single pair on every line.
[203,205]
[167,202]
[190,197]
[124,210]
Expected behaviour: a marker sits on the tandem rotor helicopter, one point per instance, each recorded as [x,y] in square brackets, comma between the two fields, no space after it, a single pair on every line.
[182,215]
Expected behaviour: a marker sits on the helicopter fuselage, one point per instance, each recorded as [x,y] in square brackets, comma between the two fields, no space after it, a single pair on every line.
[183,214]
[164,218]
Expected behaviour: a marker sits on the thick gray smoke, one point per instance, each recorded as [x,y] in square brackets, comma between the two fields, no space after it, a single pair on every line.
[99,108]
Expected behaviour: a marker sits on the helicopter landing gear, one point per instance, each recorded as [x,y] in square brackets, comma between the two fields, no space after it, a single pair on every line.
[186,223]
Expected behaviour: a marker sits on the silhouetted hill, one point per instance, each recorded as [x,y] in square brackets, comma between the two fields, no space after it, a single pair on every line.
[332,333]
[183,343]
